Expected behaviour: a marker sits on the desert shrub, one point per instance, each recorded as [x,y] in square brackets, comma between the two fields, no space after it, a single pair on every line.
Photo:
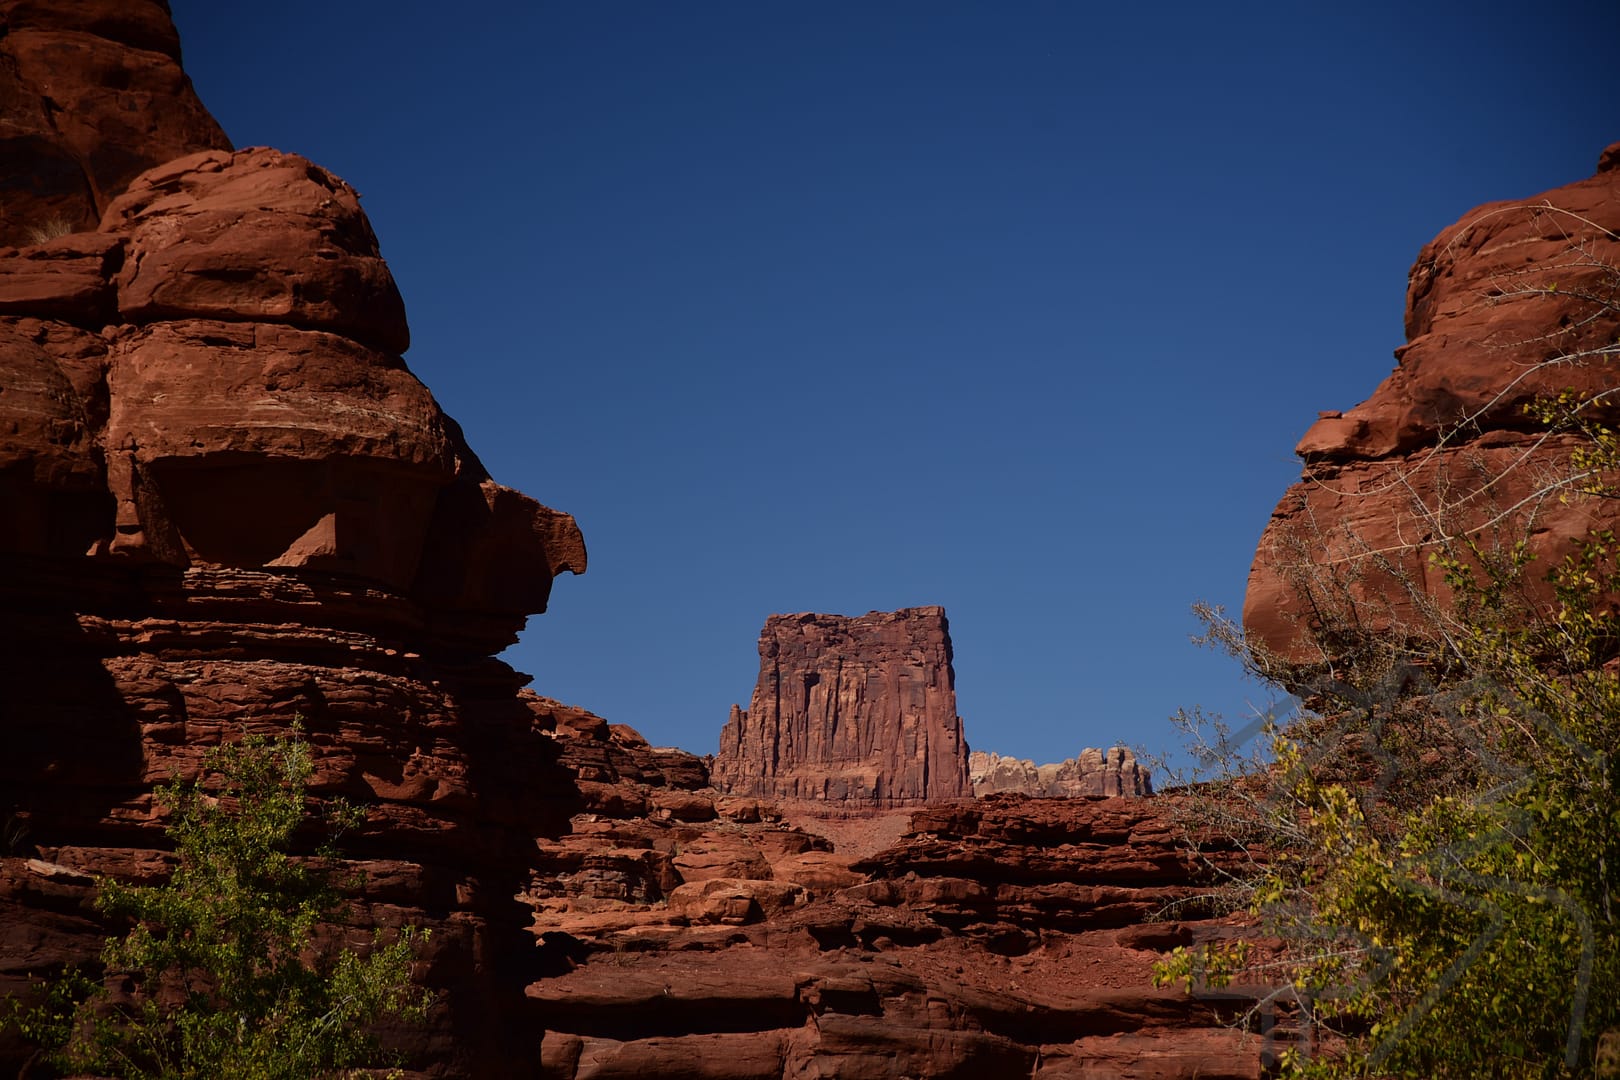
[231,967]
[1436,831]
[48,230]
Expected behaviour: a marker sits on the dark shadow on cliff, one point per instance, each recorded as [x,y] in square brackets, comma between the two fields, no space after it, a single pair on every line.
[71,745]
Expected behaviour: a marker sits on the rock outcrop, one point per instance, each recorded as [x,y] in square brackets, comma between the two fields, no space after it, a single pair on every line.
[1092,773]
[857,711]
[93,94]
[1517,301]
[226,503]
[689,933]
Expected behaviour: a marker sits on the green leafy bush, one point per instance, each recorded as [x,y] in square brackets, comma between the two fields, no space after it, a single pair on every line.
[1436,833]
[231,965]
[1469,925]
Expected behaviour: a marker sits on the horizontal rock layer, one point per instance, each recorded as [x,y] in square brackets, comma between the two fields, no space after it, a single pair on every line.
[119,677]
[1006,938]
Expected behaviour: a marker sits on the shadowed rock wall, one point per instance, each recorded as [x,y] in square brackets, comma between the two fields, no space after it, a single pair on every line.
[92,94]
[226,503]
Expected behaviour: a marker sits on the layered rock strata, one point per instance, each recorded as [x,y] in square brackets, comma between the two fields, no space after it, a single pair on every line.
[857,711]
[1091,773]
[1518,301]
[226,504]
[1004,938]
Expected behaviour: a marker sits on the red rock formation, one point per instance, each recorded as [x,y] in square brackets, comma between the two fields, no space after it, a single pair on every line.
[1518,300]
[93,94]
[246,405]
[1092,773]
[225,503]
[851,710]
[1003,938]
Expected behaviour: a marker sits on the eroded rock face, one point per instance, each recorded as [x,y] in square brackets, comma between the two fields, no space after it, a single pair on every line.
[93,94]
[1091,773]
[213,379]
[1007,937]
[860,711]
[1517,301]
[226,504]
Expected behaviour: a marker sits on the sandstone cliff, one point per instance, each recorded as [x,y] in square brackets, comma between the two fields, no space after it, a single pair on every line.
[1092,773]
[860,711]
[1516,301]
[225,502]
[93,94]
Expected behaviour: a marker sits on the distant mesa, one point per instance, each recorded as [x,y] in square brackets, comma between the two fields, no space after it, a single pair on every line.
[859,711]
[1092,772]
[94,95]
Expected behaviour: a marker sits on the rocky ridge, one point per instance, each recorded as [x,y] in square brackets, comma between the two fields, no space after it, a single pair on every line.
[1517,301]
[695,934]
[856,711]
[1091,773]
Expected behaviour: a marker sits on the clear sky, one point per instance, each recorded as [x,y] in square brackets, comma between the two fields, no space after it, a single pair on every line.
[1014,307]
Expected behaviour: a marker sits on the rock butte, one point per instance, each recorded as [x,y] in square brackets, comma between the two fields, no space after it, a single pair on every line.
[1493,306]
[854,711]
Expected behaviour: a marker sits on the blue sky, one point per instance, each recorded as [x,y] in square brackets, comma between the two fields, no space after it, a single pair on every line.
[1014,307]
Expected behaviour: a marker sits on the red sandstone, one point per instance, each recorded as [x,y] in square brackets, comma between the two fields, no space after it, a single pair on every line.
[856,711]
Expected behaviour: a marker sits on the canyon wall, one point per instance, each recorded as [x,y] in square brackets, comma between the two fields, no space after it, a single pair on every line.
[696,934]
[856,711]
[226,504]
[1519,300]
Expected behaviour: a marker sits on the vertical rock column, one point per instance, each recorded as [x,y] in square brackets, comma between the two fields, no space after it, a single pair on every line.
[860,711]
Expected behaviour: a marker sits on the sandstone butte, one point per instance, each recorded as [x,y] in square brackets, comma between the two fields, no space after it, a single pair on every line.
[851,713]
[1508,305]
[855,711]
